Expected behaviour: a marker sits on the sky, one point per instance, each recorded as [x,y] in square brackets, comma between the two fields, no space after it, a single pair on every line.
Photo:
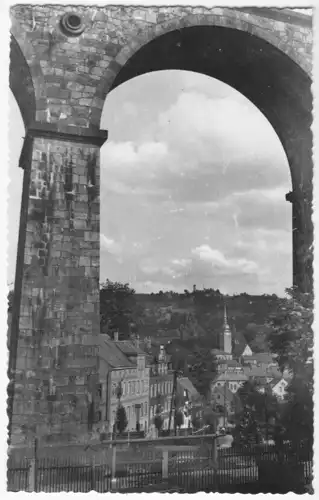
[193,184]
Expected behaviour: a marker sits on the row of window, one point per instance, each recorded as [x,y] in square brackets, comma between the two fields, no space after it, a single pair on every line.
[160,369]
[161,388]
[131,387]
[166,408]
[231,385]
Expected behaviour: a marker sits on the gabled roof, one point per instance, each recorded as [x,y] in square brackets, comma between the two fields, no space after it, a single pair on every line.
[225,392]
[229,362]
[129,348]
[112,355]
[276,380]
[256,371]
[219,352]
[231,376]
[186,384]
[239,344]
[260,357]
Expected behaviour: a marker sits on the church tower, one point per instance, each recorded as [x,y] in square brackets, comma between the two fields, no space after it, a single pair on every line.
[227,335]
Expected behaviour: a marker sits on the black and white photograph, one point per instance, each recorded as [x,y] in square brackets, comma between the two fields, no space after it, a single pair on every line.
[160,249]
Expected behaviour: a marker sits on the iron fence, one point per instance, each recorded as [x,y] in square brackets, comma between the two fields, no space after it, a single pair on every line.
[236,468]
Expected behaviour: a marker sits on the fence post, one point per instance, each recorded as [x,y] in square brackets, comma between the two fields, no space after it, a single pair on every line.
[165,464]
[113,476]
[32,477]
[93,474]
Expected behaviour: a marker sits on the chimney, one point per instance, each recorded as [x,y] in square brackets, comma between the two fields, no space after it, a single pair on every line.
[194,288]
[116,336]
[137,341]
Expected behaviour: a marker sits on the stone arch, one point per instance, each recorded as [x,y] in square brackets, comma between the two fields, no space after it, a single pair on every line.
[229,20]
[261,70]
[21,83]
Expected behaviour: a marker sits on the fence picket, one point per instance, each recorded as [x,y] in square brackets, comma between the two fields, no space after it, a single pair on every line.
[186,470]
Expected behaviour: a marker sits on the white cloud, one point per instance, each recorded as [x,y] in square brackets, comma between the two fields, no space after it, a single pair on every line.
[110,245]
[217,259]
[232,130]
[181,262]
[128,156]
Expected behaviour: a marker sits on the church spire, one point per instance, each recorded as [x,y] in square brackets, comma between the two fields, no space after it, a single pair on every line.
[227,334]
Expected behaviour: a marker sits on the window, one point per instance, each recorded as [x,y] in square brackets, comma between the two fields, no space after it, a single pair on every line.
[133,384]
[138,387]
[142,389]
[142,410]
[128,413]
[129,388]
[145,408]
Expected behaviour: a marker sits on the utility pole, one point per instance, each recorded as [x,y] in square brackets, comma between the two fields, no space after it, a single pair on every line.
[225,410]
[172,401]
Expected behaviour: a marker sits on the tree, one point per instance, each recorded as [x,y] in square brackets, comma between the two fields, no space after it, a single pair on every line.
[203,369]
[10,300]
[158,419]
[120,419]
[291,339]
[258,406]
[179,419]
[118,308]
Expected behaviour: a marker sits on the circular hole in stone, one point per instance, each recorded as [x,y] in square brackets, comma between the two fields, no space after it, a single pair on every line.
[74,21]
[72,24]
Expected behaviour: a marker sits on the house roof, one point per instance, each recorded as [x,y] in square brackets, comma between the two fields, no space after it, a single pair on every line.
[229,362]
[276,380]
[225,392]
[260,357]
[256,371]
[129,348]
[219,352]
[186,384]
[239,343]
[113,355]
[231,376]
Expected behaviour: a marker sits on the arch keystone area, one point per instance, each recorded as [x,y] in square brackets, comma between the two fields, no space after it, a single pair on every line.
[60,79]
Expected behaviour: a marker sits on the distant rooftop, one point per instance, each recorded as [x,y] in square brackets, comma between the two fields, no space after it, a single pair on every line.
[231,376]
[129,348]
[186,384]
[112,354]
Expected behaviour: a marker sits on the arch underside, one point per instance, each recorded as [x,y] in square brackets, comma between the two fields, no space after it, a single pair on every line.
[21,83]
[266,76]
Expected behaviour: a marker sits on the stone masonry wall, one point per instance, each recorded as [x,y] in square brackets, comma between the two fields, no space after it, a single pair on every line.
[73,75]
[57,360]
[59,316]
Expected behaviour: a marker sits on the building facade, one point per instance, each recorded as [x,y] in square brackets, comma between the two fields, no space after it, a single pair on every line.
[131,375]
[161,387]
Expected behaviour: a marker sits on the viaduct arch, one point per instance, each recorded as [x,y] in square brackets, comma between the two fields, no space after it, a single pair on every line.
[64,61]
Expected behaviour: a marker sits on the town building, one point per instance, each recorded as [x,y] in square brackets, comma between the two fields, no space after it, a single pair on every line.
[124,365]
[161,386]
[279,387]
[225,403]
[189,400]
[233,380]
[236,363]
